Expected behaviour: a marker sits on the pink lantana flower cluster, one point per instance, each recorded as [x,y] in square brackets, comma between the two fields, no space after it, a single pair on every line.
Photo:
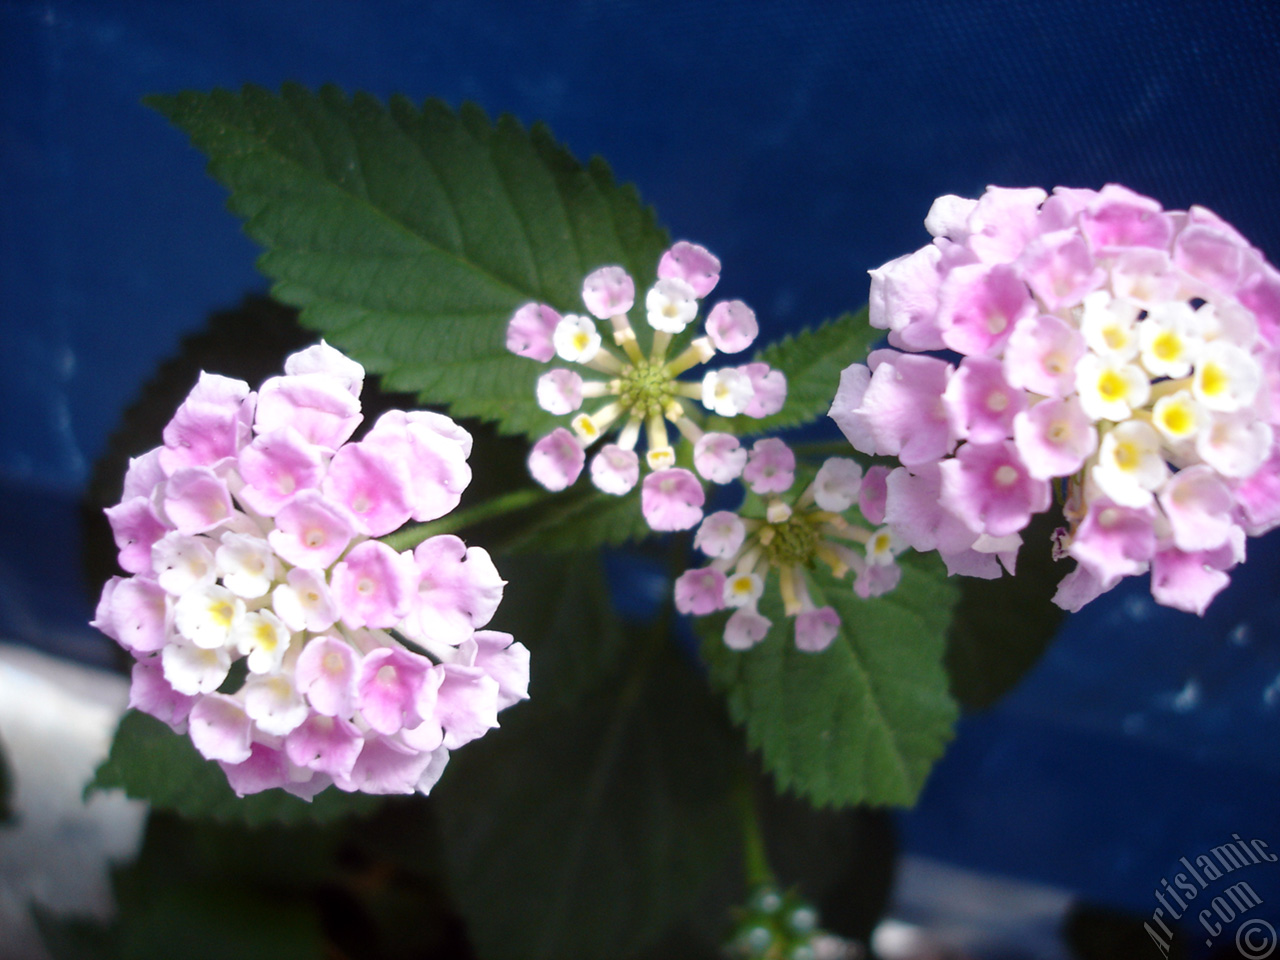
[640,394]
[790,532]
[1096,342]
[250,540]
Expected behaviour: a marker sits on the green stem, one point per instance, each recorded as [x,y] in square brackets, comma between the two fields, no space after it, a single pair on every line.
[755,860]
[408,537]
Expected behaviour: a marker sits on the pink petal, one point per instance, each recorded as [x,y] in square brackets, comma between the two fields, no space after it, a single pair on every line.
[699,592]
[671,499]
[608,292]
[693,264]
[556,460]
[815,629]
[373,586]
[530,330]
[732,326]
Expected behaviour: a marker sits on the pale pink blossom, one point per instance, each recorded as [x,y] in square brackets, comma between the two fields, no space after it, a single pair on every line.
[373,485]
[456,590]
[980,403]
[769,390]
[699,592]
[693,264]
[434,451]
[979,305]
[328,744]
[990,489]
[324,359]
[873,492]
[1199,508]
[251,581]
[506,661]
[210,425]
[559,392]
[326,674]
[373,586]
[672,499]
[1042,354]
[745,628]
[196,500]
[732,326]
[815,629]
[608,291]
[275,466]
[904,300]
[720,534]
[310,531]
[220,729]
[557,459]
[1054,438]
[151,693]
[390,687]
[719,457]
[319,406]
[530,332]
[466,704]
[770,466]
[615,470]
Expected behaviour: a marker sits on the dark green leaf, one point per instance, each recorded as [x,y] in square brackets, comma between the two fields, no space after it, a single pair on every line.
[863,721]
[1002,627]
[75,938]
[151,762]
[588,832]
[582,520]
[409,236]
[562,613]
[812,361]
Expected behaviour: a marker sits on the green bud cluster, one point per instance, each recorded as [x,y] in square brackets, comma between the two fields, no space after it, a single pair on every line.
[646,388]
[794,541]
[775,926]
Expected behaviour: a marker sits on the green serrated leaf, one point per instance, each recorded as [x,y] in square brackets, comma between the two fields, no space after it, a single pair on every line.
[1002,627]
[863,721]
[587,832]
[408,236]
[812,361]
[151,762]
[582,520]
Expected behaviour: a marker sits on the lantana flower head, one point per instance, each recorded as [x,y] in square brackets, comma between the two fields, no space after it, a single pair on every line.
[251,535]
[1088,341]
[641,395]
[782,534]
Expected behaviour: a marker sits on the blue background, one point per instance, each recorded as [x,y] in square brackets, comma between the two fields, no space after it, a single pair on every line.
[803,143]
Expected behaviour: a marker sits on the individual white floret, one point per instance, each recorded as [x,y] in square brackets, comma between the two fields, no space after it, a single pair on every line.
[576,339]
[206,615]
[247,565]
[1130,465]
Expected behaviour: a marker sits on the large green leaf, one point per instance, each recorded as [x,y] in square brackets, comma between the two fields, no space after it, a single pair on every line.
[1002,627]
[151,762]
[864,720]
[408,235]
[587,832]
[812,361]
[581,520]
